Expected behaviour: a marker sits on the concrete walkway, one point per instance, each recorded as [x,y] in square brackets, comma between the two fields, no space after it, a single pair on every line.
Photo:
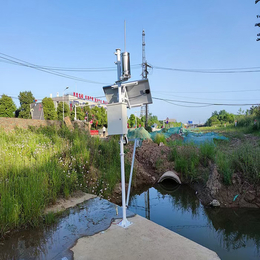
[143,240]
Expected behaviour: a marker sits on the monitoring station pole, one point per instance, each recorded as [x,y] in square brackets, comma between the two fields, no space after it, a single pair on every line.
[124,223]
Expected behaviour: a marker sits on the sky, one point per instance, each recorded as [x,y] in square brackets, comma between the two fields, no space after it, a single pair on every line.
[188,38]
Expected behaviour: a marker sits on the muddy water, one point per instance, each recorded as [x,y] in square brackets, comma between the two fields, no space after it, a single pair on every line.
[232,233]
[54,242]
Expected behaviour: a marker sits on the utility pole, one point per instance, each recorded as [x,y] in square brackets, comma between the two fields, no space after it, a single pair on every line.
[257,24]
[144,76]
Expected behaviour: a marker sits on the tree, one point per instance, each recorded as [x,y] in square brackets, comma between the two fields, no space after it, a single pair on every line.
[215,113]
[213,121]
[87,112]
[99,116]
[229,118]
[131,121]
[254,110]
[60,110]
[26,99]
[241,111]
[80,115]
[49,109]
[7,106]
[153,119]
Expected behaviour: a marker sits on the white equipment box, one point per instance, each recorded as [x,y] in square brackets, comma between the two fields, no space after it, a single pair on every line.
[117,118]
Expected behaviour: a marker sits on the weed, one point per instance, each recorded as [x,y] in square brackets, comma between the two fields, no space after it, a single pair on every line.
[38,165]
[158,164]
[207,152]
[159,138]
[247,161]
[186,159]
[224,165]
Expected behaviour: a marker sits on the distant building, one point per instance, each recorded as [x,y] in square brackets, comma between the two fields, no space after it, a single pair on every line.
[71,99]
[79,99]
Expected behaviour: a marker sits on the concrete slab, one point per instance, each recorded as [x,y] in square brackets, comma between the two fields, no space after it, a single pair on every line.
[143,240]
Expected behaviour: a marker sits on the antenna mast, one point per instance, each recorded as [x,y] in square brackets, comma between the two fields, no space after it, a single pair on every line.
[144,76]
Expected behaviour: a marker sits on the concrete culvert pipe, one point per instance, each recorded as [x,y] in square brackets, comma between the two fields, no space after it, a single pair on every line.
[170,175]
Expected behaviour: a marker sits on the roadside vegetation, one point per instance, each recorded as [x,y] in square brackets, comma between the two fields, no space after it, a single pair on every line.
[39,165]
[241,154]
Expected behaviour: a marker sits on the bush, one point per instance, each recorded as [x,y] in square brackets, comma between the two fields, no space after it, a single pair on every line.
[160,138]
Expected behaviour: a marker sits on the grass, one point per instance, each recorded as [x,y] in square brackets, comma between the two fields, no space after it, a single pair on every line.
[160,138]
[186,159]
[39,165]
[224,165]
[247,160]
[243,158]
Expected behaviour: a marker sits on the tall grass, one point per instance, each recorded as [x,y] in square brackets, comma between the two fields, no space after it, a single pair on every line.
[225,166]
[38,165]
[186,160]
[247,161]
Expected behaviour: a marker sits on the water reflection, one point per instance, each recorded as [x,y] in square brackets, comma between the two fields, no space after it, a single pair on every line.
[54,242]
[236,226]
[233,234]
[180,197]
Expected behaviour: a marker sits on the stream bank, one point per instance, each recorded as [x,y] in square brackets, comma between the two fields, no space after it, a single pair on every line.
[152,161]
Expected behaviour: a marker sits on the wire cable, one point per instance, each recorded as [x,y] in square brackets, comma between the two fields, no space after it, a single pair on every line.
[238,70]
[224,91]
[100,69]
[33,66]
[223,99]
[202,103]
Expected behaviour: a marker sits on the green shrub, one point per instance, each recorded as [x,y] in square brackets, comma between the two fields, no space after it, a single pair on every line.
[160,138]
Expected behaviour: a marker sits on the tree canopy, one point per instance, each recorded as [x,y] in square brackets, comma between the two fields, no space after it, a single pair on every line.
[26,98]
[7,106]
[49,109]
[99,116]
[221,117]
[60,110]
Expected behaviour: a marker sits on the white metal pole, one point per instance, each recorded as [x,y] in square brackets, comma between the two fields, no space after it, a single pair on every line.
[131,175]
[124,223]
[75,112]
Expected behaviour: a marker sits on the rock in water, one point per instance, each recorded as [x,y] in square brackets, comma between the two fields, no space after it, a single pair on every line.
[214,203]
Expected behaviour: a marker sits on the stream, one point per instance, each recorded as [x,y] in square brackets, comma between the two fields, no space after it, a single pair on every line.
[231,233]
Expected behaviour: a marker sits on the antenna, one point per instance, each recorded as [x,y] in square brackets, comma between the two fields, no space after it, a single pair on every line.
[125,36]
[144,76]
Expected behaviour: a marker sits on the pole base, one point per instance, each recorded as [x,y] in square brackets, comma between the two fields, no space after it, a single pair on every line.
[124,223]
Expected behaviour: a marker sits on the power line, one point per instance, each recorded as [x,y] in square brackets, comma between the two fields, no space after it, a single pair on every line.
[73,69]
[235,70]
[203,103]
[204,98]
[33,66]
[199,92]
